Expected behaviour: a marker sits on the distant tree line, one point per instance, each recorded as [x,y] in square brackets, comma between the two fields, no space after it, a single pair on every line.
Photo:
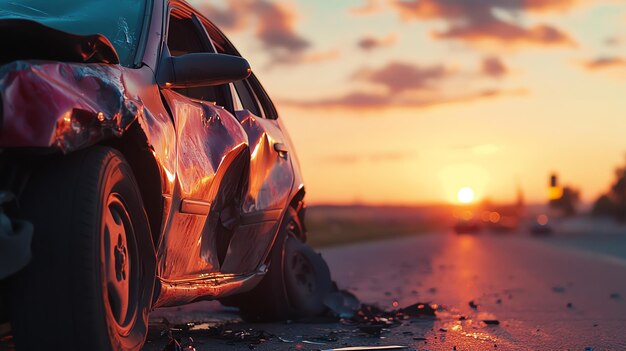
[613,203]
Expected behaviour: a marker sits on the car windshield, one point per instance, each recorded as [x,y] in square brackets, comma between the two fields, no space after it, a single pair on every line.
[119,20]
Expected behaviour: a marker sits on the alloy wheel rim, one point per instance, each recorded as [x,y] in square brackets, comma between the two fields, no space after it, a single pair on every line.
[121,271]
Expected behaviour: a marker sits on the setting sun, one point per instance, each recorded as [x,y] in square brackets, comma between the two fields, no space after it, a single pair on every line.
[465,195]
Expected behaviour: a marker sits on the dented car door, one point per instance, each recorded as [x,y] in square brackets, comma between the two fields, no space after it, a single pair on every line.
[271,178]
[211,144]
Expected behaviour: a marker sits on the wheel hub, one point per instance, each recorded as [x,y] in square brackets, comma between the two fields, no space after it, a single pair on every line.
[120,259]
[120,267]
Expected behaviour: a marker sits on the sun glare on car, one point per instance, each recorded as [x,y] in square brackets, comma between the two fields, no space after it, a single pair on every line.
[465,195]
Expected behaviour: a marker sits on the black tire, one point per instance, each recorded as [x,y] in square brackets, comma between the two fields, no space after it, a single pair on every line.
[295,285]
[90,281]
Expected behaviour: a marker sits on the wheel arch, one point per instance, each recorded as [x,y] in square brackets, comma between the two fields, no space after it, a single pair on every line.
[133,145]
[298,205]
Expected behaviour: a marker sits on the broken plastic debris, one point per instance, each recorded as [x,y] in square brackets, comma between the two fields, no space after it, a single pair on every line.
[418,309]
[491,321]
[313,342]
[342,303]
[173,345]
[368,348]
[371,329]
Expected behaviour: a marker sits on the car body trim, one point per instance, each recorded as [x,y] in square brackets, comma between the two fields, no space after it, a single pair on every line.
[174,293]
[261,216]
[196,207]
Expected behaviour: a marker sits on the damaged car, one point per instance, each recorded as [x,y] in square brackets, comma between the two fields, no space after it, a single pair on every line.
[142,165]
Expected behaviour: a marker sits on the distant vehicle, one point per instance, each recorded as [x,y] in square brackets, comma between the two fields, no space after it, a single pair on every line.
[154,169]
[467,226]
[541,226]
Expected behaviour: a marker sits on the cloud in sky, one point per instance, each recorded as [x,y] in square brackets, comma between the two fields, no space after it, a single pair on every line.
[369,42]
[397,77]
[493,67]
[228,17]
[369,7]
[605,62]
[478,21]
[350,159]
[274,26]
[410,85]
[305,57]
[377,101]
[614,40]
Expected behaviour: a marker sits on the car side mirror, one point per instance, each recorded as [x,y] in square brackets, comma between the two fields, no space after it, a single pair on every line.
[201,69]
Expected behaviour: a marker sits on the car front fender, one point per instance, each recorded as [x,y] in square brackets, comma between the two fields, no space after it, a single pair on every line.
[64,105]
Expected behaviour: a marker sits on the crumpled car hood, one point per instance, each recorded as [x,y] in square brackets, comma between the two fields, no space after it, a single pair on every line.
[67,105]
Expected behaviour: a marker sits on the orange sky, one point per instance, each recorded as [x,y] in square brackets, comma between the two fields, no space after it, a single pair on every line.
[407,101]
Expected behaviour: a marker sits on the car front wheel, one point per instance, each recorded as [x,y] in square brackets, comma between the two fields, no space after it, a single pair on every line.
[89,284]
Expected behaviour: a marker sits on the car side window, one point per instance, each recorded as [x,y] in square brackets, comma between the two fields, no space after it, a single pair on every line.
[247,98]
[269,110]
[184,37]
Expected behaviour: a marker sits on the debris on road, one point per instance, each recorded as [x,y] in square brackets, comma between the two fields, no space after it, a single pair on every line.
[558,289]
[419,310]
[615,296]
[176,344]
[372,329]
[249,336]
[491,321]
[473,304]
[371,319]
[369,348]
[342,303]
[313,342]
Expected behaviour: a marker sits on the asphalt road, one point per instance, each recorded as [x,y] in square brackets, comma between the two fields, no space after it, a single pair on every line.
[553,293]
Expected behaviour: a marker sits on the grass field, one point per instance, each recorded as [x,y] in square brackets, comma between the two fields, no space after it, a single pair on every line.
[340,225]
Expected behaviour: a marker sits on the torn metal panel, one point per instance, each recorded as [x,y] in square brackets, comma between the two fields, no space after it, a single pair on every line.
[213,158]
[298,181]
[244,252]
[76,104]
[271,175]
[70,106]
[206,134]
[173,293]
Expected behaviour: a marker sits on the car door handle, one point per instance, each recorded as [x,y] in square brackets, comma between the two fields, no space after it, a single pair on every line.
[281,149]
